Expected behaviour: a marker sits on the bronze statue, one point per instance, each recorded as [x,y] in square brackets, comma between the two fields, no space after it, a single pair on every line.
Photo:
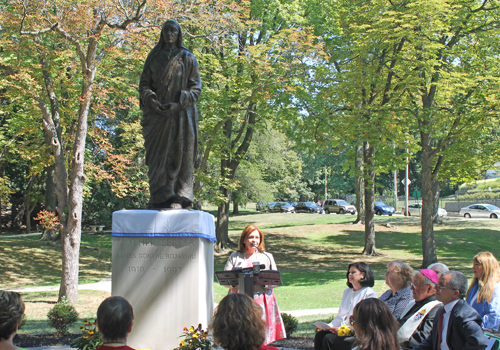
[169,87]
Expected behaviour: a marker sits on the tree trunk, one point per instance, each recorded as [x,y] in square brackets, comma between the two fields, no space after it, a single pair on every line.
[236,211]
[428,243]
[229,165]
[28,211]
[198,185]
[369,154]
[29,208]
[222,227]
[50,203]
[359,184]
[436,192]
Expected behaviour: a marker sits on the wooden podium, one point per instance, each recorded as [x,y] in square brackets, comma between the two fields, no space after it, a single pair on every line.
[247,278]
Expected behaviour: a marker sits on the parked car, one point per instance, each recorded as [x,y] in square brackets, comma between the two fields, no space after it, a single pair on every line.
[269,206]
[308,207]
[261,205]
[381,208]
[415,209]
[287,208]
[276,208]
[480,211]
[339,206]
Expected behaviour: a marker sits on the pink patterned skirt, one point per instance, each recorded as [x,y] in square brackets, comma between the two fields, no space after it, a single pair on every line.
[271,314]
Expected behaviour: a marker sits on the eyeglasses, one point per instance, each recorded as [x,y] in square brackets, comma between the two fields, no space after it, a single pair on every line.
[415,285]
[438,287]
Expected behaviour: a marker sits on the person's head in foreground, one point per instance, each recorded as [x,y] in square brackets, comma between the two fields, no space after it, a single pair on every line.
[115,318]
[11,316]
[424,284]
[486,274]
[439,268]
[375,326]
[237,323]
[452,286]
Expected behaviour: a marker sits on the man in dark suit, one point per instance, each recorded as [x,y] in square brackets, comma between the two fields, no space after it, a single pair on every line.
[457,326]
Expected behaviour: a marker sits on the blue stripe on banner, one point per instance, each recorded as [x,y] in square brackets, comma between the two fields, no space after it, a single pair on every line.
[183,234]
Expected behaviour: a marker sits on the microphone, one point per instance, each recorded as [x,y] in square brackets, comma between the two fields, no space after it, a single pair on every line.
[254,245]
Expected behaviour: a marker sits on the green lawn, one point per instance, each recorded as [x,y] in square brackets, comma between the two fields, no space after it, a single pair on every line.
[312,252]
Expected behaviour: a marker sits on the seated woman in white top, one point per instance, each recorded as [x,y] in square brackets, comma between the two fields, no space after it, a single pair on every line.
[359,280]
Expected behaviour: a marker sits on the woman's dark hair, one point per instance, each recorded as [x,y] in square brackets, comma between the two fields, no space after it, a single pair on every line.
[237,323]
[114,318]
[375,325]
[11,313]
[368,280]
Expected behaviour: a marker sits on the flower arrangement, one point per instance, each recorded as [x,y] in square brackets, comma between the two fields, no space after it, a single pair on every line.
[195,339]
[90,339]
[345,331]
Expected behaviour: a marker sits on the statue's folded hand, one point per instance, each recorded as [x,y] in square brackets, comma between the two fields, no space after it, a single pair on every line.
[170,108]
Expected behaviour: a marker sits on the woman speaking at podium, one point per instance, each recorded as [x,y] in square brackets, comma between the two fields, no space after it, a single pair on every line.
[250,250]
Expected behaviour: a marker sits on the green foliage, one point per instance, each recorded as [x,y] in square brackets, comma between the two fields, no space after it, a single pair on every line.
[90,339]
[61,316]
[290,322]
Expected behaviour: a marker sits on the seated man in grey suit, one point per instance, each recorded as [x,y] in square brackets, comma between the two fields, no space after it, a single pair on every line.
[457,326]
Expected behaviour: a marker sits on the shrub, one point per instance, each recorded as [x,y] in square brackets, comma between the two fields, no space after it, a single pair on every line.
[290,322]
[61,316]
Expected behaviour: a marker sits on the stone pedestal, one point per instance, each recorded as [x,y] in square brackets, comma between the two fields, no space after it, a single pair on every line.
[163,264]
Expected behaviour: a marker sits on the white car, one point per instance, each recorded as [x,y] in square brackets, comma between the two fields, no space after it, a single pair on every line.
[480,211]
[415,209]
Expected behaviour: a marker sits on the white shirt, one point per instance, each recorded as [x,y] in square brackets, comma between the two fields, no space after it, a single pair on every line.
[349,300]
[446,319]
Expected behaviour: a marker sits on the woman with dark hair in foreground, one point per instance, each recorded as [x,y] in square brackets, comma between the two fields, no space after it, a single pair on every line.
[359,282]
[237,324]
[375,326]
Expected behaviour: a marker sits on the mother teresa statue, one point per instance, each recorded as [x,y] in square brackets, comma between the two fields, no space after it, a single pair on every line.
[169,88]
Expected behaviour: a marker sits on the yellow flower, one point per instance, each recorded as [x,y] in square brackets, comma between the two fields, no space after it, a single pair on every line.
[91,332]
[182,343]
[82,327]
[196,335]
[85,336]
[205,335]
[191,329]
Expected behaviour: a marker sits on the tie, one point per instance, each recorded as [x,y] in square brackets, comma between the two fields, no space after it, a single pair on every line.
[440,328]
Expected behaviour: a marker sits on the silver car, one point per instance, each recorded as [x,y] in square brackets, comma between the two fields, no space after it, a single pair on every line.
[480,211]
[415,209]
[338,206]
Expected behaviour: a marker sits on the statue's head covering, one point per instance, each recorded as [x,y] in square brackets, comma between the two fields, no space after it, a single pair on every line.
[174,24]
